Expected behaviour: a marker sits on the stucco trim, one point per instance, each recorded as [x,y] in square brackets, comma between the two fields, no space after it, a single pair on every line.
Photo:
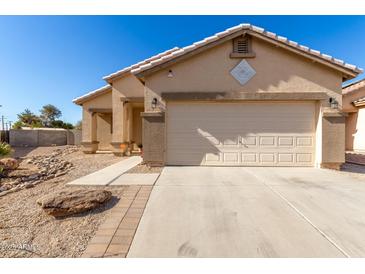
[92,94]
[334,113]
[359,103]
[242,55]
[222,96]
[100,110]
[152,114]
[132,99]
[120,73]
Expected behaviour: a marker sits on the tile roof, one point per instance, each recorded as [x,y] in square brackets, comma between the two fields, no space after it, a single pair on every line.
[360,101]
[144,62]
[106,88]
[175,52]
[92,94]
[255,30]
[353,86]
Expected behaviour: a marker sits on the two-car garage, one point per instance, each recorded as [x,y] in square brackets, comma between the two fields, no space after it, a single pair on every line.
[241,133]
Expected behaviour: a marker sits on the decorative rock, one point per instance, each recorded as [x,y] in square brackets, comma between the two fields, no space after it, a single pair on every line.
[58,174]
[9,163]
[3,188]
[49,166]
[33,177]
[29,185]
[68,202]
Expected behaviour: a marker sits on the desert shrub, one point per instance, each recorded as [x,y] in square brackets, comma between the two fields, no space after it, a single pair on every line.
[5,149]
[18,125]
[61,124]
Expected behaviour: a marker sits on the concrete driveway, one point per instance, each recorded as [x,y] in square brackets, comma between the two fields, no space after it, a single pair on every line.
[253,212]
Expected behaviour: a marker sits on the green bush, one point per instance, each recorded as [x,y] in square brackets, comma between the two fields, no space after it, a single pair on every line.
[5,149]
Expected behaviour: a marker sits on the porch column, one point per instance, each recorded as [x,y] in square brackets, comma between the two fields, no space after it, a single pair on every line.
[129,122]
[89,127]
[118,124]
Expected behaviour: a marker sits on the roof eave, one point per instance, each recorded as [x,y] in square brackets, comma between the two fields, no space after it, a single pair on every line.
[348,73]
[82,99]
[111,79]
[186,55]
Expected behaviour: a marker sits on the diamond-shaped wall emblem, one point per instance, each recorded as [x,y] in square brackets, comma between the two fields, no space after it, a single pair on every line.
[243,72]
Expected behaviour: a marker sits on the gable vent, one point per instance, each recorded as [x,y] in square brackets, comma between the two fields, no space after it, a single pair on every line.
[242,45]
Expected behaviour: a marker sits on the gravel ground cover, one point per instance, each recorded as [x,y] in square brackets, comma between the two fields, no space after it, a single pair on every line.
[27,231]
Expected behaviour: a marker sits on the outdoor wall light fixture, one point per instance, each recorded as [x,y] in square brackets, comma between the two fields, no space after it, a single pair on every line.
[334,103]
[154,103]
[170,74]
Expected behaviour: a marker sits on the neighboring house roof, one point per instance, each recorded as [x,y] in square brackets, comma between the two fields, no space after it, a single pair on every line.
[353,86]
[123,71]
[92,94]
[349,70]
[359,102]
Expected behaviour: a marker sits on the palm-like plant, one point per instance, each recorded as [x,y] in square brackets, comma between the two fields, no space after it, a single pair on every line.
[5,149]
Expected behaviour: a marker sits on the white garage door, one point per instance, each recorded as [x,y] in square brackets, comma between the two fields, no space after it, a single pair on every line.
[240,134]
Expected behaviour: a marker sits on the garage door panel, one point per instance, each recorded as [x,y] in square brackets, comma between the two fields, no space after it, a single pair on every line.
[241,125]
[249,158]
[267,134]
[287,158]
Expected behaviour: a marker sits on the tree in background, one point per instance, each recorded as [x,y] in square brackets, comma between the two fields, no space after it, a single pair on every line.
[28,119]
[49,114]
[48,118]
[61,124]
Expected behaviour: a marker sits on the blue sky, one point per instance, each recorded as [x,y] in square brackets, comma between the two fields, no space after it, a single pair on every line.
[53,59]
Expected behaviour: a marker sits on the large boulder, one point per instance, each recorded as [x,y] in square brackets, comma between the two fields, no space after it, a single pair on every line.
[68,202]
[9,163]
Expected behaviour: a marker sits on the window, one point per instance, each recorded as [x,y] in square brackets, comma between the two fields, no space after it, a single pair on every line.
[242,47]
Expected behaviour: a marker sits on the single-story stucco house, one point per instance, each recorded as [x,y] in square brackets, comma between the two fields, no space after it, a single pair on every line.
[242,97]
[353,103]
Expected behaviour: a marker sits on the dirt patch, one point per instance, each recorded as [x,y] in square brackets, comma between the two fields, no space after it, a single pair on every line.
[143,168]
[27,231]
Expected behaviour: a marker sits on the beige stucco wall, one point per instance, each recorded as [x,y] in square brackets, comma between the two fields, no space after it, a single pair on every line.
[276,70]
[333,140]
[104,130]
[359,136]
[137,125]
[351,96]
[355,130]
[127,86]
[89,120]
[351,122]
[355,122]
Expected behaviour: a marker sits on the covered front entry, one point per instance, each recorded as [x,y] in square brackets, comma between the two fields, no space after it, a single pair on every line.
[104,130]
[240,134]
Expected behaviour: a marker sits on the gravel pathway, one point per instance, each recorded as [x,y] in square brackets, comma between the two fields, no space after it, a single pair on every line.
[26,231]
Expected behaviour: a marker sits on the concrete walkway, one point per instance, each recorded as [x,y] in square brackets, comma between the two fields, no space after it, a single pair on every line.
[253,212]
[109,174]
[141,179]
